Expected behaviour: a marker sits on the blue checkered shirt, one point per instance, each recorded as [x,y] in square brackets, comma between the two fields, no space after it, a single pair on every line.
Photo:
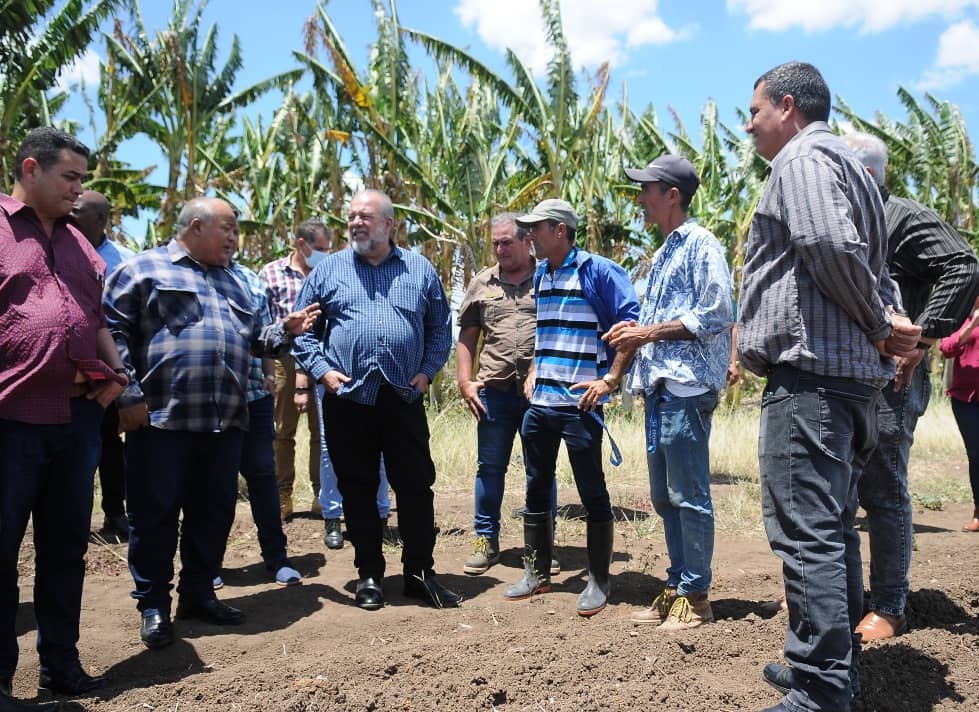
[379,325]
[256,287]
[187,333]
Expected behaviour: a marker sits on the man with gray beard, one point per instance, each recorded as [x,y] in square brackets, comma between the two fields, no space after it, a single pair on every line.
[383,335]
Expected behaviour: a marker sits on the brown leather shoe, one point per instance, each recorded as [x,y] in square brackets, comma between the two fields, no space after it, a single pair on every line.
[973,524]
[879,626]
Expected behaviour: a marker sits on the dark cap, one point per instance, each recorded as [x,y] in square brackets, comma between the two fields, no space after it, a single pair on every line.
[550,209]
[672,170]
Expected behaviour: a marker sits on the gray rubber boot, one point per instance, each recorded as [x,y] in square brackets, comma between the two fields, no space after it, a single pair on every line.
[538,528]
[595,596]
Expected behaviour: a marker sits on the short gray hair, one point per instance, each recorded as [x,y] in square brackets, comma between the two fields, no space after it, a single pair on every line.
[501,219]
[383,200]
[195,209]
[870,151]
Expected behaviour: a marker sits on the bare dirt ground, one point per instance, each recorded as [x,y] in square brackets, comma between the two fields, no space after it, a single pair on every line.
[309,648]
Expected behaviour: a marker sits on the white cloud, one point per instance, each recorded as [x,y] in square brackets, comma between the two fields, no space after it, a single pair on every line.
[84,69]
[818,15]
[596,32]
[956,59]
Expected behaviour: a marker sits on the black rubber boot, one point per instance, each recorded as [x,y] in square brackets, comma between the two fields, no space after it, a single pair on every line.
[595,596]
[538,533]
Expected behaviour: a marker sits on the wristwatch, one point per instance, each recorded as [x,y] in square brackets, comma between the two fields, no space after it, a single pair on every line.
[611,381]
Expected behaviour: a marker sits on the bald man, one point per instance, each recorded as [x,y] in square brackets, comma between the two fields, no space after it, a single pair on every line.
[187,328]
[91,215]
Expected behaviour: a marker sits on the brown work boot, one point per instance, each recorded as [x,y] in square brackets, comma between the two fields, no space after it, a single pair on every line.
[690,611]
[486,553]
[658,609]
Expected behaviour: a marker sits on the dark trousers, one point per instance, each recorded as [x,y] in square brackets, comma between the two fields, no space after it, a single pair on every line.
[48,472]
[816,435]
[967,418]
[112,466]
[258,469]
[169,472]
[356,436]
[543,430]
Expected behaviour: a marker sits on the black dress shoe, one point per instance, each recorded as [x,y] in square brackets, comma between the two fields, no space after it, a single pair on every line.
[426,587]
[779,676]
[210,611]
[156,631]
[116,528]
[369,595]
[70,681]
[332,536]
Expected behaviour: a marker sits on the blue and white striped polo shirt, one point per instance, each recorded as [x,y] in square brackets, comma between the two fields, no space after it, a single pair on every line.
[569,347]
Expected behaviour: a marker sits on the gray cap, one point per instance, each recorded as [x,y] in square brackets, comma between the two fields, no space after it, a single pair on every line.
[550,209]
[672,170]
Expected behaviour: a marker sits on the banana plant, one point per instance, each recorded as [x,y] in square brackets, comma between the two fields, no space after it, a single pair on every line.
[33,53]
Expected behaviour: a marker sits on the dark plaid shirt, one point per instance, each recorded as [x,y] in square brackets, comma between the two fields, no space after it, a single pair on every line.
[188,332]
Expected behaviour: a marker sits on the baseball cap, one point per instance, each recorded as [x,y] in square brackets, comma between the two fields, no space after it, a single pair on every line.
[550,209]
[672,170]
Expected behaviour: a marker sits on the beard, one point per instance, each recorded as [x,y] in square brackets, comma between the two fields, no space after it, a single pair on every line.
[372,243]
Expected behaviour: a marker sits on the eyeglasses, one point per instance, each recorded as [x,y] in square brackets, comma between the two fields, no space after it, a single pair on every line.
[532,228]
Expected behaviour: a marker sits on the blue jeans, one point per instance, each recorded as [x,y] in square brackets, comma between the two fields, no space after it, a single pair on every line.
[495,432]
[967,418]
[543,430]
[48,472]
[816,435]
[679,485]
[169,473]
[884,494]
[331,501]
[258,468]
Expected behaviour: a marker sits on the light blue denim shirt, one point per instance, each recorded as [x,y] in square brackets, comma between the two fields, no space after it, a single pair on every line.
[689,281]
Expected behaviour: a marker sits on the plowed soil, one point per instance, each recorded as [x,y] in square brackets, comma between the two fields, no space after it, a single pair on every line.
[309,648]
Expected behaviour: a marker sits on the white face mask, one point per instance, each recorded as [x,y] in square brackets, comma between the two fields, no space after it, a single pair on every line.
[314,258]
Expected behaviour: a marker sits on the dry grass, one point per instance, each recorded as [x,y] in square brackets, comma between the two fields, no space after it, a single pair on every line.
[938,471]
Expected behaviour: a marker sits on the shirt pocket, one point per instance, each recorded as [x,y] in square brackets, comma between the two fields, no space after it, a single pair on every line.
[407,297]
[244,316]
[178,308]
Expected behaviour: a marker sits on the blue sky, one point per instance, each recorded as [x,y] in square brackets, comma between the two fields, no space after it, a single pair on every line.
[670,53]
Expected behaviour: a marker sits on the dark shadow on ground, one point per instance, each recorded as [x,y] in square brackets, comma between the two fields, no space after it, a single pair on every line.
[255,574]
[930,608]
[897,678]
[861,524]
[620,514]
[25,618]
[153,667]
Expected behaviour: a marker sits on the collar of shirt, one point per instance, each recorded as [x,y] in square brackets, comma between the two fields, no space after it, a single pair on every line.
[804,133]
